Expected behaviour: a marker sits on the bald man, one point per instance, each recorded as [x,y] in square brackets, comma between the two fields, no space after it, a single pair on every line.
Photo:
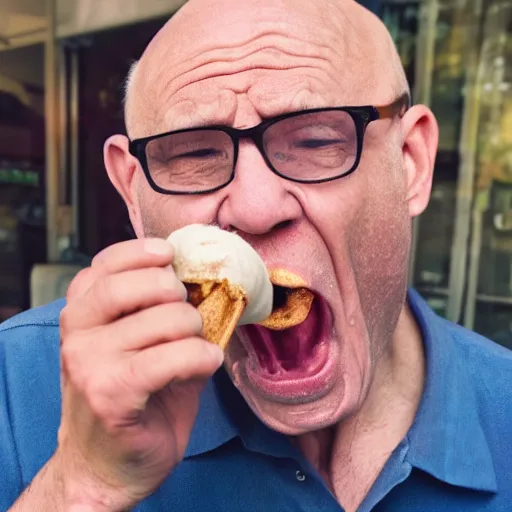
[287,121]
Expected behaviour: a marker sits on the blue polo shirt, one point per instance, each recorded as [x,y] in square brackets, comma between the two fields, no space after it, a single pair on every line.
[457,455]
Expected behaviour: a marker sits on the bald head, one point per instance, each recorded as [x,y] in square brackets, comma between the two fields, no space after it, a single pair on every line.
[207,39]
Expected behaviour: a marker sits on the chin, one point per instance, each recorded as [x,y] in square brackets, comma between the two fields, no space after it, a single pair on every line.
[298,419]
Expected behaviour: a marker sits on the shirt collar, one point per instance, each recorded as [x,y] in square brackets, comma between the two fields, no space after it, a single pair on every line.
[224,415]
[213,426]
[447,439]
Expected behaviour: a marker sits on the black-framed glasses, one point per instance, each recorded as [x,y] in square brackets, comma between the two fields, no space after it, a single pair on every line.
[309,146]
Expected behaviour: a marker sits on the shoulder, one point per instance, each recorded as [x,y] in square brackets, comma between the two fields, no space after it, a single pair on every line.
[29,396]
[485,359]
[487,390]
[482,359]
[41,316]
[488,370]
[29,341]
[36,321]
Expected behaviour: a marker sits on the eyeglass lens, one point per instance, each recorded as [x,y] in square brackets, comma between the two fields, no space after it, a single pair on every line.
[307,147]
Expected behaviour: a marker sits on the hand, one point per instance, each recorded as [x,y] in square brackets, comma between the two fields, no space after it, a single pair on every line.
[132,367]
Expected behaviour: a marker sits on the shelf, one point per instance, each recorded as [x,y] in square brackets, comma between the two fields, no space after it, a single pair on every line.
[434,290]
[487,299]
[494,299]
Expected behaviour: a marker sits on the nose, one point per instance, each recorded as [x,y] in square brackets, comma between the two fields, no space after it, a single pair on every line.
[257,200]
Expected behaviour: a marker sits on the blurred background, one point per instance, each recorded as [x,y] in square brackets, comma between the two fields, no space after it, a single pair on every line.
[62,66]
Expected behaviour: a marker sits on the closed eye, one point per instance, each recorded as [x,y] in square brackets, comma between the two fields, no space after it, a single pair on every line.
[200,153]
[318,143]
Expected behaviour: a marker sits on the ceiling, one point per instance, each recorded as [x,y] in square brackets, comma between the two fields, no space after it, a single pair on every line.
[21,22]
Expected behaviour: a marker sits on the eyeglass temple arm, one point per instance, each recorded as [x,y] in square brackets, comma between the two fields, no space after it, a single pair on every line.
[397,108]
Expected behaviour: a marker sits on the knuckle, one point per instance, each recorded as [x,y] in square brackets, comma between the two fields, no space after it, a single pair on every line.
[101,257]
[103,287]
[97,393]
[67,351]
[131,373]
[109,398]
[71,348]
[101,295]
[79,283]
[132,376]
[65,322]
[98,258]
[73,361]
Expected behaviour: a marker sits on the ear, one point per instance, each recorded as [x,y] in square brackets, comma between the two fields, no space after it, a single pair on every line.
[420,138]
[123,169]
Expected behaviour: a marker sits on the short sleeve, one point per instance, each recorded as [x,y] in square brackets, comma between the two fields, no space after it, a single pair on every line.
[10,473]
[29,397]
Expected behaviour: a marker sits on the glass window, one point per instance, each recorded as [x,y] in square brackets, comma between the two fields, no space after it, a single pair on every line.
[462,257]
[22,160]
[104,60]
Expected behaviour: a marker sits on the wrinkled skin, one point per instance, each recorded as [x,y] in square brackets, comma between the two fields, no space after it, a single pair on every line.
[236,64]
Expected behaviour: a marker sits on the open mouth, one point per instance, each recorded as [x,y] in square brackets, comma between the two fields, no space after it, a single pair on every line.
[288,342]
[289,351]
[291,307]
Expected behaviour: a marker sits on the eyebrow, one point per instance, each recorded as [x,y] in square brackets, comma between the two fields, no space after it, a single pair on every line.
[401,103]
[302,108]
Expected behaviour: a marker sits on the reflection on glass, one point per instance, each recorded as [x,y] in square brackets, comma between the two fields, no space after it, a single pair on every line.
[104,61]
[435,238]
[473,45]
[492,232]
[22,222]
[449,33]
[402,20]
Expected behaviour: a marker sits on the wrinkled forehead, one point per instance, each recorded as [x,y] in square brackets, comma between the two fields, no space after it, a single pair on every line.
[292,54]
[203,26]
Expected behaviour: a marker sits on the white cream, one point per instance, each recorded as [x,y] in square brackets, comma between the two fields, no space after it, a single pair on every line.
[209,253]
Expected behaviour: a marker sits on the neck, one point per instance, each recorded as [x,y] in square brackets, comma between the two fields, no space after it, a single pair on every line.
[351,454]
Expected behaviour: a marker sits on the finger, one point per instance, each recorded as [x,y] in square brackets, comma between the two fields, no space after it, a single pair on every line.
[153,369]
[133,254]
[149,327]
[81,283]
[130,255]
[114,295]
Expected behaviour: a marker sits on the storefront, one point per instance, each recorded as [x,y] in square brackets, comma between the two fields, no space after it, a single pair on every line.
[22,180]
[457,57]
[62,66]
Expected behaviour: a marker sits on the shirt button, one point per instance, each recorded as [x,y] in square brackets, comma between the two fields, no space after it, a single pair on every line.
[300,476]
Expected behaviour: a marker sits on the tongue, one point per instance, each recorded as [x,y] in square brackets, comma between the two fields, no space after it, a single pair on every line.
[290,350]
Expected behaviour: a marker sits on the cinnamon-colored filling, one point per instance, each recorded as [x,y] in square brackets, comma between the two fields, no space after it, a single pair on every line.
[292,300]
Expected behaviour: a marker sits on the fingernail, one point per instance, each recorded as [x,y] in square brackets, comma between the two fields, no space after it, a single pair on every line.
[157,246]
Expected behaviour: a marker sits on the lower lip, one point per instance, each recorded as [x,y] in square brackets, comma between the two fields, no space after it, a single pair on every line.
[291,387]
